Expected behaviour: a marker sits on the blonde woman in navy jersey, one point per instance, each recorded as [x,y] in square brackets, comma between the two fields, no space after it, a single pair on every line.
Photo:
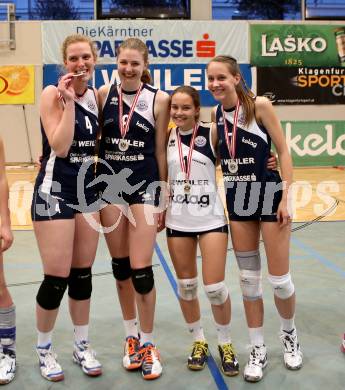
[195,216]
[135,117]
[67,243]
[257,202]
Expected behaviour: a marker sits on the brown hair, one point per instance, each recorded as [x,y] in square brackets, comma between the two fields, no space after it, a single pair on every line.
[244,93]
[75,38]
[192,92]
[139,45]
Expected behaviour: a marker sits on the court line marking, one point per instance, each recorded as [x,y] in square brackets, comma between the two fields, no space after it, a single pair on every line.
[322,259]
[217,375]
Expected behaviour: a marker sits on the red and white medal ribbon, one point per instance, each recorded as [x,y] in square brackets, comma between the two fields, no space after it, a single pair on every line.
[124,128]
[231,145]
[186,169]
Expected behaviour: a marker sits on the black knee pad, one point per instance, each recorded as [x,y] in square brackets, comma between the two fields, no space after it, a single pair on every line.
[121,268]
[143,280]
[80,283]
[51,292]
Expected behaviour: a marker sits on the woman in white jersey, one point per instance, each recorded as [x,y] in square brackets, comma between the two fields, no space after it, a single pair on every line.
[195,215]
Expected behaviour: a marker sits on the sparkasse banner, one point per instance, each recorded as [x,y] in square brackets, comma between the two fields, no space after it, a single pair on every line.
[178,51]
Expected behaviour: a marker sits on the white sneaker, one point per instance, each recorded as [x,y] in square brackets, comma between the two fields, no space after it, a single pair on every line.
[293,357]
[85,356]
[7,367]
[50,368]
[253,371]
[151,367]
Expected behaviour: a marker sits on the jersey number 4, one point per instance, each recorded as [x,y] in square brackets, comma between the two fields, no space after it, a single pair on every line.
[88,124]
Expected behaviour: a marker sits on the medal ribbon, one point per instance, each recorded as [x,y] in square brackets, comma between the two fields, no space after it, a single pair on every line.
[124,129]
[231,146]
[185,169]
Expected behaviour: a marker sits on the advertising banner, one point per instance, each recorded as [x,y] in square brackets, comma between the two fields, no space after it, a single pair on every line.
[168,41]
[17,84]
[316,143]
[302,85]
[297,45]
[165,76]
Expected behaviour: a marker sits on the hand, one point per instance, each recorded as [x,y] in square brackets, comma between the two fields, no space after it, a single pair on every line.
[161,221]
[272,162]
[65,87]
[6,237]
[283,215]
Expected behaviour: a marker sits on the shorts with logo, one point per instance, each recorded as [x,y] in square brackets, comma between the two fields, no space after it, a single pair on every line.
[48,207]
[179,233]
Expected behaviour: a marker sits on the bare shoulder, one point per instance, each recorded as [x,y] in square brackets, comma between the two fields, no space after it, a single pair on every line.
[262,102]
[163,97]
[50,92]
[103,91]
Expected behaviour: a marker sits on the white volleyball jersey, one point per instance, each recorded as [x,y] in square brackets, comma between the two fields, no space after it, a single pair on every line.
[199,207]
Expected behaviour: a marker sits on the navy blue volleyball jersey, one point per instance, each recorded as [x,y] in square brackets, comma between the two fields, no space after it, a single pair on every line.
[139,151]
[64,171]
[253,145]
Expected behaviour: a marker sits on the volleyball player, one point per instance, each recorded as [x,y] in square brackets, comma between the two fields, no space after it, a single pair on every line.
[133,148]
[67,242]
[257,202]
[7,307]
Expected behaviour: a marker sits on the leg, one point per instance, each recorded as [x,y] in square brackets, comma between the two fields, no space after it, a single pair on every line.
[79,291]
[277,243]
[213,248]
[183,255]
[249,263]
[7,330]
[142,238]
[55,243]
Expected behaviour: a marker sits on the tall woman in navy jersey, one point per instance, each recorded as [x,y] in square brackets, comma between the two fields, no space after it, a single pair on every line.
[66,241]
[257,201]
[133,157]
[195,215]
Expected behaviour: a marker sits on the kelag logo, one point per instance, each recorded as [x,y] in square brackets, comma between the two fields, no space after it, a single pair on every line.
[175,48]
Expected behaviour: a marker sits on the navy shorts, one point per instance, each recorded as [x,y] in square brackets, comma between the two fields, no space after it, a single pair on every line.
[47,207]
[179,233]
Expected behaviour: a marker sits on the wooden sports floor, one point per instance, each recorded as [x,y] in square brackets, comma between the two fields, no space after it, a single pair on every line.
[317,266]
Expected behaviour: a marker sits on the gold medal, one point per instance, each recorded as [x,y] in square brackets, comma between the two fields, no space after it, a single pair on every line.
[187,187]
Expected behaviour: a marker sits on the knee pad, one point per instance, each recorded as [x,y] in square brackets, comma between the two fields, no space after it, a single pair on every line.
[143,280]
[217,293]
[80,283]
[187,288]
[282,285]
[121,268]
[51,292]
[251,284]
[249,260]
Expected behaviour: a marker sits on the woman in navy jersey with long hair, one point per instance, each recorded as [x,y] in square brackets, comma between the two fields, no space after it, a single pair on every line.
[135,117]
[67,242]
[257,202]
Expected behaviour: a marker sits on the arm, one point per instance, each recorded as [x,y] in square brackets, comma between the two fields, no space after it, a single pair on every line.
[162,115]
[58,121]
[267,116]
[5,232]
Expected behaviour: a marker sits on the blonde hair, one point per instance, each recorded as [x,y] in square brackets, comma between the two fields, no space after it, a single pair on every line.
[75,38]
[139,45]
[244,93]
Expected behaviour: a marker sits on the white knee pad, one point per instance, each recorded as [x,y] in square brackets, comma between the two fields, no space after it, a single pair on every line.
[187,288]
[282,285]
[251,284]
[217,293]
